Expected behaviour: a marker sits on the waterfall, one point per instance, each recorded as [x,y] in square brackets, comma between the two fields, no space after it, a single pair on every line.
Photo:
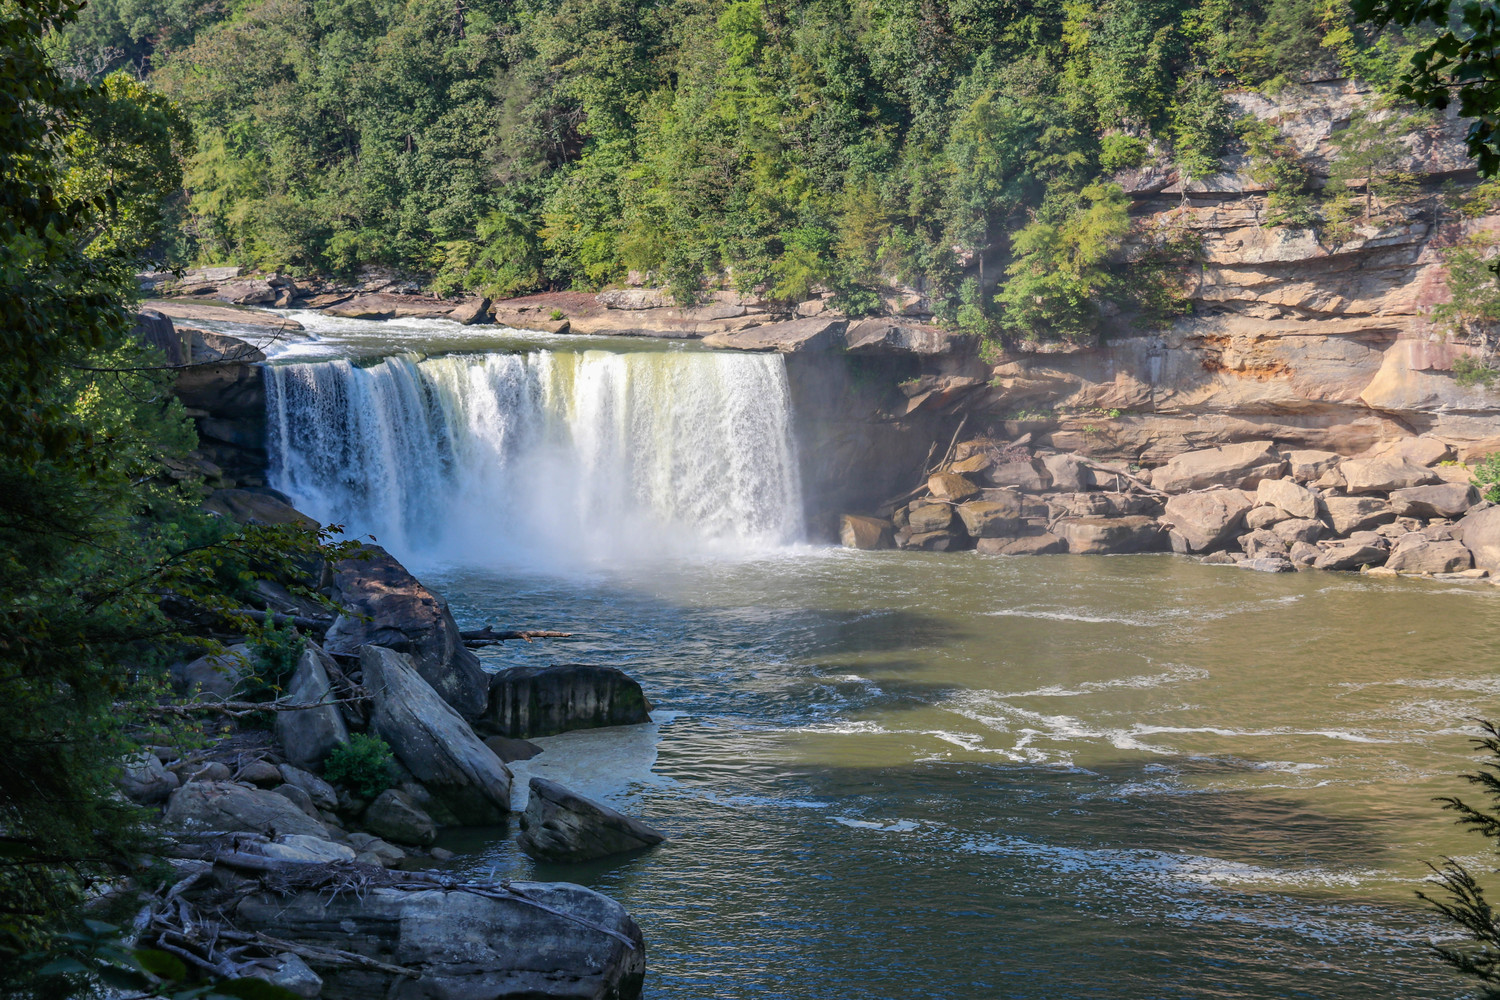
[551,456]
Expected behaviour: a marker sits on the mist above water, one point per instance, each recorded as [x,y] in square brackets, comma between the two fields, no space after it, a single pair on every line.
[546,459]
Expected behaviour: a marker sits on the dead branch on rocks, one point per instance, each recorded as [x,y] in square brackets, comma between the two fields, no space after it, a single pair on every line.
[239,709]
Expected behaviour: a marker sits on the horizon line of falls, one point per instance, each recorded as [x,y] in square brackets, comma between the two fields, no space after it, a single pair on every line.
[547,459]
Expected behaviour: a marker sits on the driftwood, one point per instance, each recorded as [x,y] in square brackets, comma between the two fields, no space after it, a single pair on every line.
[489,636]
[235,709]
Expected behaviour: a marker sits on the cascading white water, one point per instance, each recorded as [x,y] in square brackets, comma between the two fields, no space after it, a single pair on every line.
[554,456]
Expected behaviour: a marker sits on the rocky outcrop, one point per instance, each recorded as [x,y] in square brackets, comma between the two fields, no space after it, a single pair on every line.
[465,945]
[224,392]
[562,826]
[540,701]
[1309,518]
[391,608]
[816,334]
[433,742]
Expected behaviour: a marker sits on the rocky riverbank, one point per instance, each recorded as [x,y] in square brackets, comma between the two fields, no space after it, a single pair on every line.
[1400,509]
[301,835]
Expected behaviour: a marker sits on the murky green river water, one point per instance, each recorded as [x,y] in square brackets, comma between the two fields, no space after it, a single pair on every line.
[910,775]
[913,775]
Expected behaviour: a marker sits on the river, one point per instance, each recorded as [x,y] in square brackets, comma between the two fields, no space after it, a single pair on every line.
[900,774]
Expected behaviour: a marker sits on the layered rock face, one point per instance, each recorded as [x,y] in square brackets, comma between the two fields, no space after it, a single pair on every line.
[1291,338]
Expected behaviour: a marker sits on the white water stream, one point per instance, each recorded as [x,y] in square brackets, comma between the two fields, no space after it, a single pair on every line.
[548,457]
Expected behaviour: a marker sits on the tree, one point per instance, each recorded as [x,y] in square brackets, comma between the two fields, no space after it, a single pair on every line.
[93,533]
[1463,900]
[1463,61]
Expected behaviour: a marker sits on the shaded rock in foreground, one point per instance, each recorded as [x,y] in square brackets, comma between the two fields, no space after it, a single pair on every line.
[561,825]
[308,736]
[466,946]
[541,701]
[224,806]
[433,742]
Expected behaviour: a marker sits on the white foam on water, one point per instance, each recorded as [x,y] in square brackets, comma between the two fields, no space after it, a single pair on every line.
[893,826]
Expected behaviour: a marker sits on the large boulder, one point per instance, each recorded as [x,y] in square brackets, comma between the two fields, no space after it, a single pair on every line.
[309,735]
[1240,466]
[1031,476]
[395,817]
[227,807]
[144,779]
[1480,533]
[319,792]
[1202,522]
[991,518]
[1351,555]
[432,741]
[1299,530]
[1414,552]
[948,486]
[1262,543]
[1425,451]
[389,607]
[1308,465]
[561,825]
[929,517]
[1295,500]
[1070,473]
[796,336]
[256,507]
[1045,544]
[1109,535]
[214,676]
[533,701]
[856,532]
[540,940]
[1351,514]
[1427,502]
[1384,473]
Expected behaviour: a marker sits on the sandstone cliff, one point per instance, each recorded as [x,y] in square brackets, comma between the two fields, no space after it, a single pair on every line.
[1290,338]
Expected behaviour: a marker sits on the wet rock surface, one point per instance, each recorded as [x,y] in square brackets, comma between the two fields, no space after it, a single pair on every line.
[562,826]
[543,700]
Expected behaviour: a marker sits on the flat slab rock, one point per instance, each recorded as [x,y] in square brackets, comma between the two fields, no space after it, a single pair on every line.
[561,825]
[466,946]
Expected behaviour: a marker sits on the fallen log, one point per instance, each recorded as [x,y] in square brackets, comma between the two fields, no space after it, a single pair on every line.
[489,636]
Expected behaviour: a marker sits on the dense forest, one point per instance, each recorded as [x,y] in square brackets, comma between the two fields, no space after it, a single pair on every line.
[842,144]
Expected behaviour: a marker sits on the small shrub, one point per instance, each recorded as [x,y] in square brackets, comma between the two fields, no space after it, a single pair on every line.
[364,765]
[1471,371]
[1121,152]
[556,315]
[274,654]
[1487,477]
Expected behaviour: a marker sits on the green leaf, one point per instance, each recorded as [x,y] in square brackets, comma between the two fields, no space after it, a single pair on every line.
[161,965]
